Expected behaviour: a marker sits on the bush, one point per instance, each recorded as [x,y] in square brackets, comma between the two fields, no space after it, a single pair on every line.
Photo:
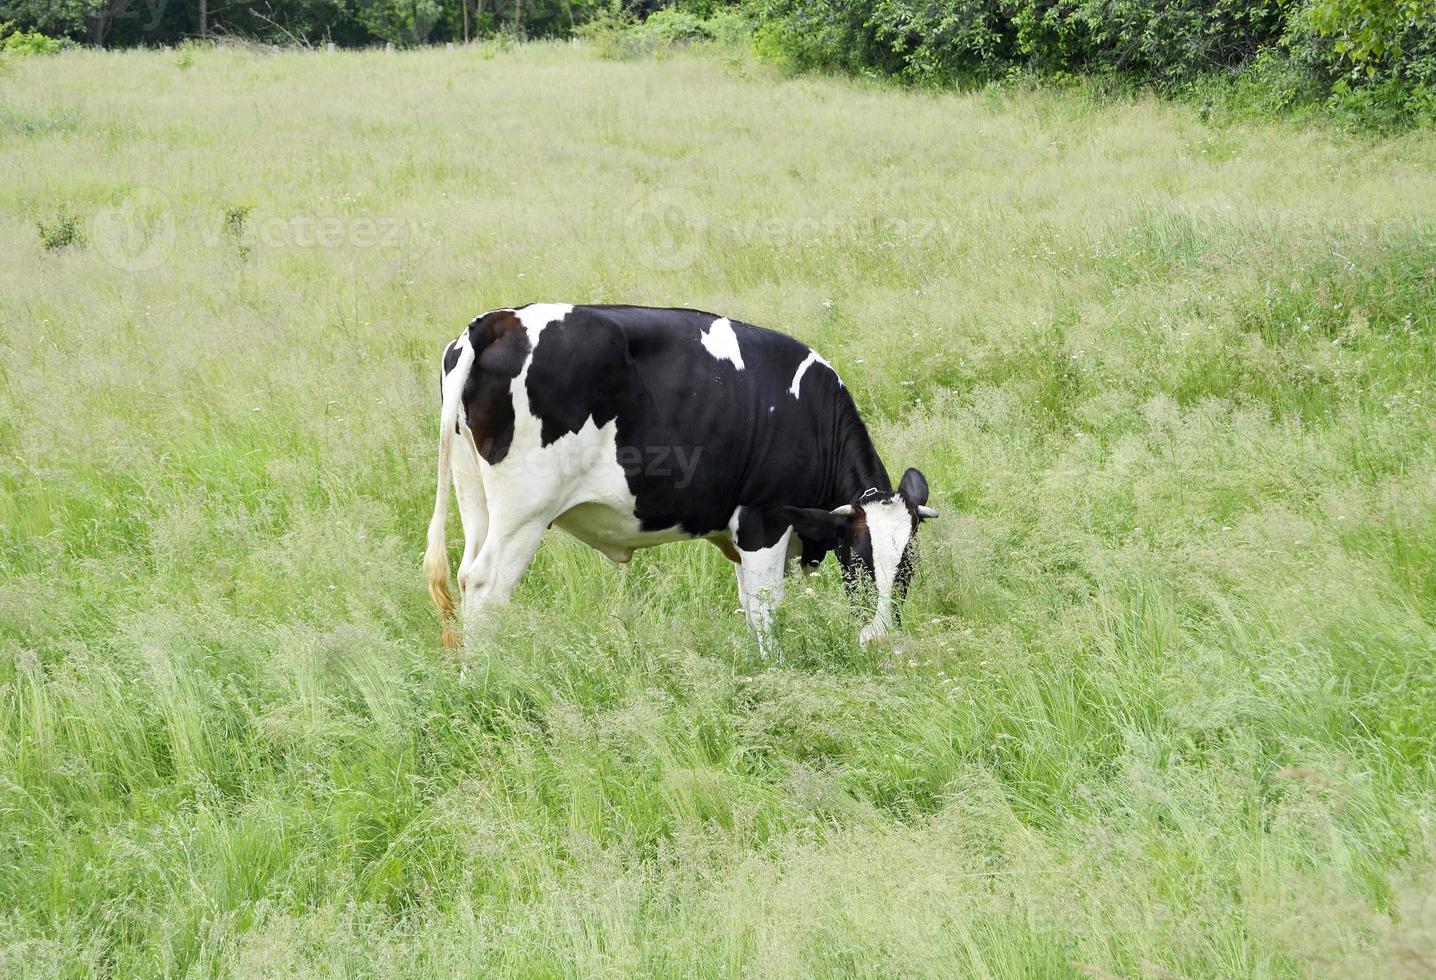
[670,25]
[1377,58]
[828,35]
[731,27]
[1367,57]
[616,33]
[1159,41]
[25,43]
[400,22]
[611,31]
[1170,41]
[1375,35]
[63,231]
[967,40]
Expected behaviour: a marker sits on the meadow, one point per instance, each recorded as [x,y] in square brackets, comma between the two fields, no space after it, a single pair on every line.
[1164,702]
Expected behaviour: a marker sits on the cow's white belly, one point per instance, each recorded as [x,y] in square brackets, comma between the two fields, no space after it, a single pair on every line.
[613,530]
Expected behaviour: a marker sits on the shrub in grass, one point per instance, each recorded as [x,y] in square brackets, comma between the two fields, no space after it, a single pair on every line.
[25,43]
[62,231]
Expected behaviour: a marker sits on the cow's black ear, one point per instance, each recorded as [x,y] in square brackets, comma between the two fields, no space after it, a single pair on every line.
[821,527]
[914,487]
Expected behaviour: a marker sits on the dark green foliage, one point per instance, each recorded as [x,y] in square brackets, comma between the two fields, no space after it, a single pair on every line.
[1375,59]
[972,40]
[126,23]
[828,35]
[401,22]
[963,40]
[1171,41]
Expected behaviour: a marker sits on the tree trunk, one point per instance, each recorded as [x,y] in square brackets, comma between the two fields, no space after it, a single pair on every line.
[98,22]
[100,17]
[518,17]
[203,19]
[465,5]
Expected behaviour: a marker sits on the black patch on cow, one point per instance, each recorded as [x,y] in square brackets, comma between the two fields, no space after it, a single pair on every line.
[913,488]
[820,530]
[818,527]
[758,529]
[855,551]
[577,374]
[502,345]
[813,554]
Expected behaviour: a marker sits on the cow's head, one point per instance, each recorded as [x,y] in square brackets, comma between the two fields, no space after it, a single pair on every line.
[873,539]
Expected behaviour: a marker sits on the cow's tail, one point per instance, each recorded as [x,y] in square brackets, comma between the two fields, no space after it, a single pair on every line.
[436,557]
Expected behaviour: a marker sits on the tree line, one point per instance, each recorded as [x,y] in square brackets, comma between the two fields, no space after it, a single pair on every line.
[348,23]
[1369,57]
[1373,58]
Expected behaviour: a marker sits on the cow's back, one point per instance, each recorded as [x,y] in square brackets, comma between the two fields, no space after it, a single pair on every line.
[710,415]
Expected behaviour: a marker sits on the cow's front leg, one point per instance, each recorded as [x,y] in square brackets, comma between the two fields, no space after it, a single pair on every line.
[762,553]
[488,582]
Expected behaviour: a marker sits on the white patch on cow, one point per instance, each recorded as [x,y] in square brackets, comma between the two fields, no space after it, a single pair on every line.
[536,316]
[722,342]
[813,358]
[890,526]
[614,531]
[599,509]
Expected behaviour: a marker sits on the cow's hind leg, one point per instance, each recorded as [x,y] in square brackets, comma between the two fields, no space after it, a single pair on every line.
[473,501]
[763,554]
[488,582]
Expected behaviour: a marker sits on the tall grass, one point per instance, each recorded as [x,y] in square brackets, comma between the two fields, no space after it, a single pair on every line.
[1165,698]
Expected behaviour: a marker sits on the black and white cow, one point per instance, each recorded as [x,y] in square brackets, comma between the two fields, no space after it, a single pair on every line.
[629,426]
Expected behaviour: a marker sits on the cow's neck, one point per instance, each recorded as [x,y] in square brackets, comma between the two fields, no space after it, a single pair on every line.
[857,466]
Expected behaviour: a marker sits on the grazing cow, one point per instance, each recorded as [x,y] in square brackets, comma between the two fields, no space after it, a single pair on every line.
[628,426]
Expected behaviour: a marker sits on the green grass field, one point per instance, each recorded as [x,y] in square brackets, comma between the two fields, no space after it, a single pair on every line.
[1165,700]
